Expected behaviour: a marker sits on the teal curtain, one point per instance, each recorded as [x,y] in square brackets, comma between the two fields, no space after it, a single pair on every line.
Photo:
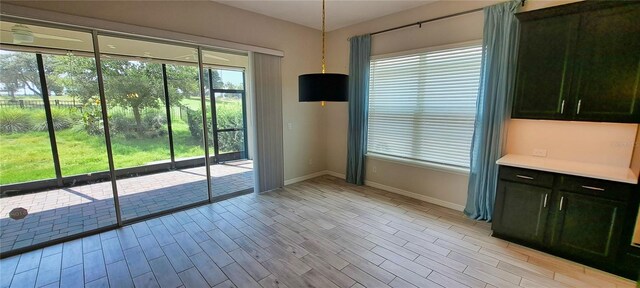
[499,46]
[358,107]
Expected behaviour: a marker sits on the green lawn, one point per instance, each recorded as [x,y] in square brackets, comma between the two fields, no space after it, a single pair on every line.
[27,156]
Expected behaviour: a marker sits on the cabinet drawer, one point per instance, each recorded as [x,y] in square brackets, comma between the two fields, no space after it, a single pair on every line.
[526,176]
[595,187]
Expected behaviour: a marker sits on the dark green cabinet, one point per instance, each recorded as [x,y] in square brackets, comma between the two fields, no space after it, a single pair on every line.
[587,227]
[521,211]
[579,62]
[583,219]
[542,81]
[607,75]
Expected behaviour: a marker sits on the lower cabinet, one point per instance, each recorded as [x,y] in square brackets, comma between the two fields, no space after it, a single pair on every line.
[521,211]
[587,227]
[582,219]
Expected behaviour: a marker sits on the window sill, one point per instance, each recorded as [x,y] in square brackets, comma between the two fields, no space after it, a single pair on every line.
[420,164]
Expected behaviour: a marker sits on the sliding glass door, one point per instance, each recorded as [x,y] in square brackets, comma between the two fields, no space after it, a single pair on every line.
[96,138]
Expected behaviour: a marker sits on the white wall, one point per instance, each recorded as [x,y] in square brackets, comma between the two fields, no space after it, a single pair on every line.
[301,47]
[444,186]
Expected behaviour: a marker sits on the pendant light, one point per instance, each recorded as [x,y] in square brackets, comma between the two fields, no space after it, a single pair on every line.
[323,86]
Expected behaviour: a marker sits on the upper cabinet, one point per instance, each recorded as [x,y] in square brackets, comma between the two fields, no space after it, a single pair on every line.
[580,62]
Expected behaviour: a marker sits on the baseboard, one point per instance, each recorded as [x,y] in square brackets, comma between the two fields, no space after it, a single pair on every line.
[336,174]
[305,177]
[414,195]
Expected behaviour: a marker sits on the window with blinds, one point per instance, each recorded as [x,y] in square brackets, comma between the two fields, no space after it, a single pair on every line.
[422,106]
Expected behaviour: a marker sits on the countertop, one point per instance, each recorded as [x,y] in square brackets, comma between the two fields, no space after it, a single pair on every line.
[604,172]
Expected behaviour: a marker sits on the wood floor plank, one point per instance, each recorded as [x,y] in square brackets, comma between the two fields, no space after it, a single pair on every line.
[178,259]
[94,267]
[392,247]
[192,278]
[272,282]
[188,245]
[223,240]
[402,261]
[407,275]
[490,269]
[136,261]
[367,267]
[7,270]
[239,276]
[488,278]
[118,274]
[25,279]
[146,280]
[151,247]
[112,251]
[253,249]
[164,273]
[331,273]
[72,276]
[399,283]
[249,264]
[208,269]
[362,277]
[72,253]
[29,261]
[49,270]
[450,273]
[216,253]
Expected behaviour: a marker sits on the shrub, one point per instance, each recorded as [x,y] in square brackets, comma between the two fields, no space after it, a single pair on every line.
[194,120]
[229,115]
[153,123]
[63,118]
[92,118]
[15,120]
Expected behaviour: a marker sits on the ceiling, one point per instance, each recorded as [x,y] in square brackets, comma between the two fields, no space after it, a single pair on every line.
[339,13]
[48,40]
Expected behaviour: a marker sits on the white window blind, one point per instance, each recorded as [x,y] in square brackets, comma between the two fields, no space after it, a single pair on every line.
[422,106]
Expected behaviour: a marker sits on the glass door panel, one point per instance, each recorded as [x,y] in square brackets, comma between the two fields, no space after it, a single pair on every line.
[48,152]
[25,150]
[152,93]
[233,171]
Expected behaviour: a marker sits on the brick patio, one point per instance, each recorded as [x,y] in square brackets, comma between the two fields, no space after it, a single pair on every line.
[68,211]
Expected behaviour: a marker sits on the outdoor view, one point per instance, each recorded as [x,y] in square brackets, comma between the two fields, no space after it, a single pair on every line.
[54,160]
[137,120]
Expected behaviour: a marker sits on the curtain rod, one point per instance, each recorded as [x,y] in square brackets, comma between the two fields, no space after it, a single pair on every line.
[419,23]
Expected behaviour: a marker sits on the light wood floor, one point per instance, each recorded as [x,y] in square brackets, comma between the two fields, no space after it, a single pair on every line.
[317,233]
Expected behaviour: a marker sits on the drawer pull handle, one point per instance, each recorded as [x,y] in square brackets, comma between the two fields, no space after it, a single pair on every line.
[524,177]
[544,204]
[592,188]
[562,107]
[561,202]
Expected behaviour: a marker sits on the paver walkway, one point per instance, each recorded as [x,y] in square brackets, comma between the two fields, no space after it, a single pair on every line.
[68,211]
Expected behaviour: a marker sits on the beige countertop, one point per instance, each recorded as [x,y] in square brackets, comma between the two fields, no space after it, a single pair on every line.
[604,172]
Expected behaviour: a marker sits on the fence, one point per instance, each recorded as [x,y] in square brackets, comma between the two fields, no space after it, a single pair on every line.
[39,104]
[177,112]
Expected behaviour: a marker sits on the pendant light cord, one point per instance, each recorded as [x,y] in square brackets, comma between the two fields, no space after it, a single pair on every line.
[323,61]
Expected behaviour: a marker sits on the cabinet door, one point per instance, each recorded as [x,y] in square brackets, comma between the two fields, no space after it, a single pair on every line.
[521,211]
[545,58]
[587,227]
[607,75]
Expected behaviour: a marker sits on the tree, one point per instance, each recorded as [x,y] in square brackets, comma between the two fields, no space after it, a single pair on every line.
[19,70]
[133,84]
[77,75]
